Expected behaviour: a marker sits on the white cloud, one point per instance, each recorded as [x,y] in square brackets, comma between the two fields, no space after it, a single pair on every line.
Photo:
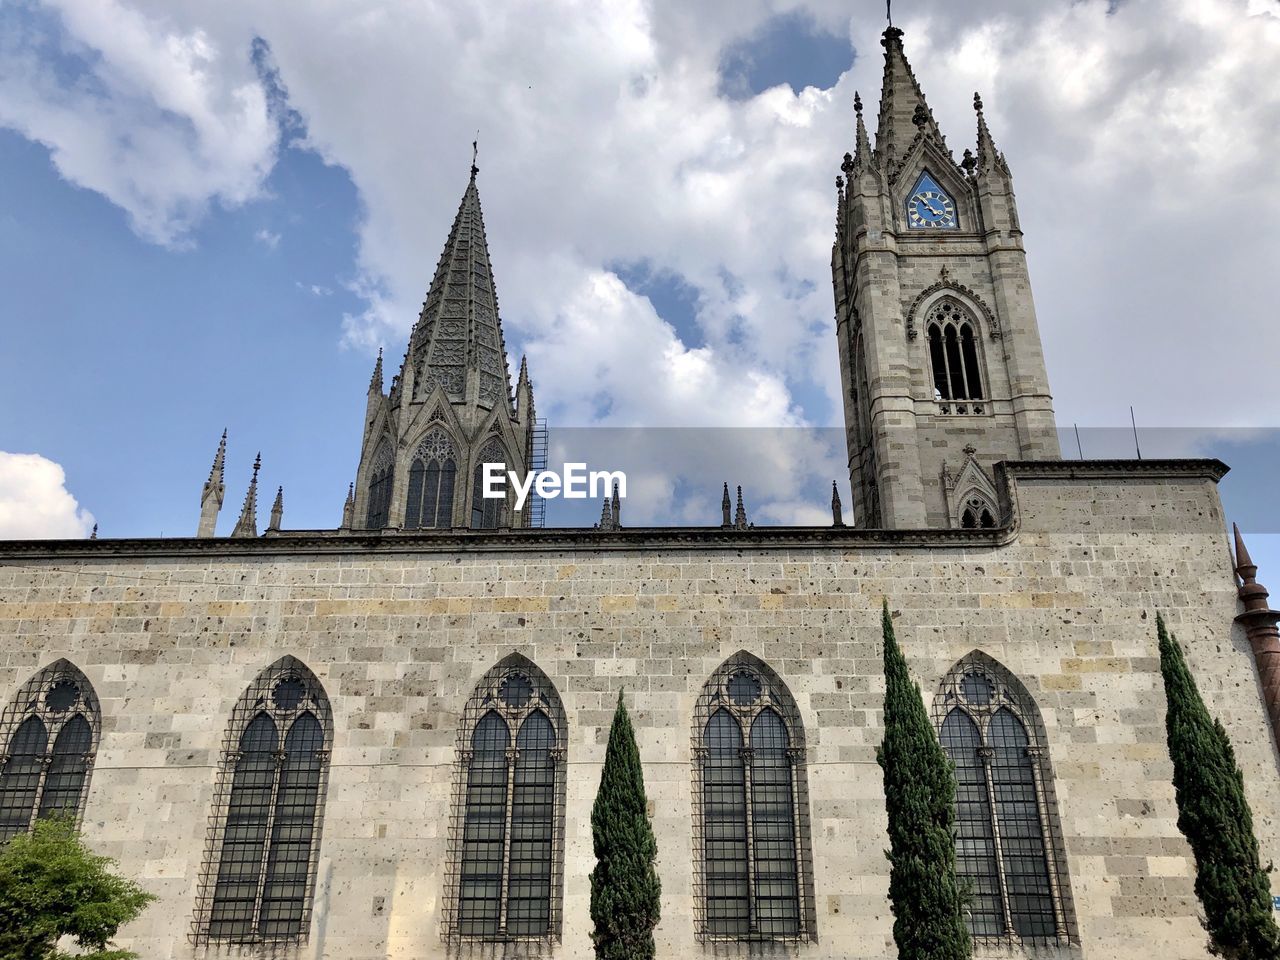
[1139,142]
[34,500]
[267,238]
[160,120]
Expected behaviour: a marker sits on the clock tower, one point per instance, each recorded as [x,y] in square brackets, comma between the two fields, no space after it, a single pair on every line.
[940,353]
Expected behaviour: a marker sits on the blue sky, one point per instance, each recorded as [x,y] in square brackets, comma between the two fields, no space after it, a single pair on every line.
[190,241]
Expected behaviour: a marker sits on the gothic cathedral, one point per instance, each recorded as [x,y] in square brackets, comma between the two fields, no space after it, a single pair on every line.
[383,740]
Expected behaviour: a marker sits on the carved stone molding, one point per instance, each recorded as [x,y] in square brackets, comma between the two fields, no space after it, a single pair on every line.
[946,283]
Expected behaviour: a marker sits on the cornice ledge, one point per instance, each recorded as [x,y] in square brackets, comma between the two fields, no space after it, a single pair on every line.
[1181,469]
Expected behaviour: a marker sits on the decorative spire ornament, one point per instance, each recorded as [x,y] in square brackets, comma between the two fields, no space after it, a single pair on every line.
[837,518]
[214,490]
[247,525]
[726,507]
[277,510]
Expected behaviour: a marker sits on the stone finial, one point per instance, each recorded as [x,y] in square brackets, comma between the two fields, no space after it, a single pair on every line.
[617,507]
[1259,622]
[606,516]
[921,116]
[740,516]
[247,525]
[93,534]
[857,103]
[277,510]
[837,517]
[349,508]
[726,507]
[977,103]
[970,450]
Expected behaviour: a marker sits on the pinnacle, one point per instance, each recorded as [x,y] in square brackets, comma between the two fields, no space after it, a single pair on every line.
[904,112]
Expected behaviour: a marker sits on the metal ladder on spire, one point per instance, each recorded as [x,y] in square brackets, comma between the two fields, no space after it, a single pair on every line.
[537,462]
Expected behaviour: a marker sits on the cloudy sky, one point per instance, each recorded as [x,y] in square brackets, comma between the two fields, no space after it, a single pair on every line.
[212,215]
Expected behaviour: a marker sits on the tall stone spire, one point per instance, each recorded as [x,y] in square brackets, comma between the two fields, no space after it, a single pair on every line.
[904,113]
[375,382]
[213,492]
[458,341]
[349,507]
[247,525]
[862,149]
[988,156]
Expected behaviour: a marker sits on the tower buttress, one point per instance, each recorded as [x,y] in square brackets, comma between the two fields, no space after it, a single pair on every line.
[939,346]
[214,490]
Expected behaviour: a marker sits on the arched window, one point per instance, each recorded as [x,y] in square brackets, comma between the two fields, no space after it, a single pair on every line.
[487,513]
[754,873]
[431,481]
[1008,841]
[49,734]
[264,832]
[977,514]
[381,478]
[506,853]
[953,354]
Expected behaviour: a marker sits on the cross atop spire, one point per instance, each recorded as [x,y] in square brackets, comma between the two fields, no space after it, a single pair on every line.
[904,113]
[458,340]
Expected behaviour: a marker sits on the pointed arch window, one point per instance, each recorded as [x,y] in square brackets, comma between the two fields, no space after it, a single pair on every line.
[1008,839]
[264,831]
[381,478]
[431,483]
[487,513]
[977,513]
[507,834]
[49,734]
[954,357]
[754,873]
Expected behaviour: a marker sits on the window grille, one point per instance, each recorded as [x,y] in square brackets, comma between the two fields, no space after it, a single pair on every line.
[431,482]
[953,356]
[487,513]
[381,479]
[753,877]
[263,839]
[49,733]
[1009,845]
[506,849]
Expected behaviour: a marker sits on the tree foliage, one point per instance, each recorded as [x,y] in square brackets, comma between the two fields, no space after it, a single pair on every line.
[1214,816]
[53,886]
[624,884]
[919,791]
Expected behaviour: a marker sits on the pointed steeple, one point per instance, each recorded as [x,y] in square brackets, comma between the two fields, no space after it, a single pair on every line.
[988,156]
[214,490]
[277,510]
[837,517]
[349,508]
[375,382]
[617,507]
[726,506]
[457,341]
[247,525]
[904,113]
[862,148]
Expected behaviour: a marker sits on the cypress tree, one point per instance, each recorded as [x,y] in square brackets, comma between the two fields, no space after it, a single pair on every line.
[1214,816]
[919,794]
[624,884]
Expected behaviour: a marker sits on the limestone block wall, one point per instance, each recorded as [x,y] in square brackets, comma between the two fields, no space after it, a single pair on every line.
[400,633]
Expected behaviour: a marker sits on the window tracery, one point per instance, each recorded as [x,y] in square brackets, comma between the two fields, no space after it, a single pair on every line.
[1008,840]
[954,358]
[487,513]
[506,853]
[381,478]
[263,840]
[754,875]
[49,733]
[432,478]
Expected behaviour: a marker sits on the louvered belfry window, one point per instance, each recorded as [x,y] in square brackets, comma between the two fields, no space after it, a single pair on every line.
[506,851]
[754,871]
[49,735]
[1008,839]
[264,833]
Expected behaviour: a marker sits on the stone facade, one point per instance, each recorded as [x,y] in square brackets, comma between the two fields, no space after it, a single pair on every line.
[399,629]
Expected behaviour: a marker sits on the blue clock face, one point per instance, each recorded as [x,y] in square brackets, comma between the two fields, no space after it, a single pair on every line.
[929,206]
